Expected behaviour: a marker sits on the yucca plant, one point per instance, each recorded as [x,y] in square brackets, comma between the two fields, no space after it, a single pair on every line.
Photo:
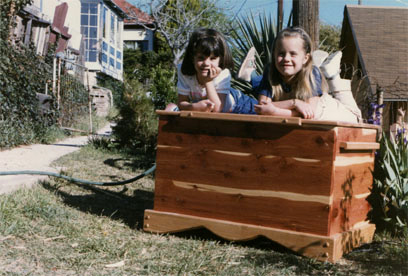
[249,34]
[389,195]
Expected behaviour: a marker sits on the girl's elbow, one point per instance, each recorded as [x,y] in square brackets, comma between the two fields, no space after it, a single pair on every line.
[217,108]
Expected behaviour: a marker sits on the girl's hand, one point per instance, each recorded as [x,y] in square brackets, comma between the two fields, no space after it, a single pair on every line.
[204,105]
[305,109]
[213,72]
[265,108]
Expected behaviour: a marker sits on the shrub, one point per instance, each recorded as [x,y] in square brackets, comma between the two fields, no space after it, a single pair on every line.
[114,85]
[163,89]
[329,37]
[74,100]
[252,34]
[389,195]
[22,75]
[149,85]
[136,123]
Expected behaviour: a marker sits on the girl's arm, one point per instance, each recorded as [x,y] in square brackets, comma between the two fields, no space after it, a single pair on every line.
[303,108]
[214,97]
[264,99]
[269,108]
[289,108]
[185,104]
[217,98]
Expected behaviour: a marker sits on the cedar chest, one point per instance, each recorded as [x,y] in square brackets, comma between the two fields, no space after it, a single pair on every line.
[301,183]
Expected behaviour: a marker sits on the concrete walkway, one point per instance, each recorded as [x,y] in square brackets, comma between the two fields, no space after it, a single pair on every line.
[37,157]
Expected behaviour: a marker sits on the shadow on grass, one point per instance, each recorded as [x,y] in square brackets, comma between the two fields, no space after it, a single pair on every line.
[113,204]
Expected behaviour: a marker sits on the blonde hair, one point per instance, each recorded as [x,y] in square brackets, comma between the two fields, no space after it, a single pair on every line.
[302,84]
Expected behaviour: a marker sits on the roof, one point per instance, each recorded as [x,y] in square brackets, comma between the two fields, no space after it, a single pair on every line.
[115,7]
[132,11]
[379,35]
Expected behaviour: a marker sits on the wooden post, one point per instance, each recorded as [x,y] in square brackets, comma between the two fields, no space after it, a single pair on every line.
[11,16]
[280,15]
[89,101]
[306,16]
[380,101]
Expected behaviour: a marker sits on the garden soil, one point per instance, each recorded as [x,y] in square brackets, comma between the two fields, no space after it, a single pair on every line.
[37,157]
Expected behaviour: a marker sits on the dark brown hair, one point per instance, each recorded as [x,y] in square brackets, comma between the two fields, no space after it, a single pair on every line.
[206,42]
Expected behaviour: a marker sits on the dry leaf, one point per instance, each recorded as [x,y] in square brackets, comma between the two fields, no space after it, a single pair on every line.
[118,264]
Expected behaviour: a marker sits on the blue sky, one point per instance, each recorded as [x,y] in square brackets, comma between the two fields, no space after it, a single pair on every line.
[331,11]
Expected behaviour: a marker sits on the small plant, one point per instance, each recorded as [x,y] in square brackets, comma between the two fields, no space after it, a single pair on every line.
[389,196]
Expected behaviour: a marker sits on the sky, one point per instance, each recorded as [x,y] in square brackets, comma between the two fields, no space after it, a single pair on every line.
[331,11]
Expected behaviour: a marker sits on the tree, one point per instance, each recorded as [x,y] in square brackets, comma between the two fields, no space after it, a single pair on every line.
[175,20]
[306,15]
[329,37]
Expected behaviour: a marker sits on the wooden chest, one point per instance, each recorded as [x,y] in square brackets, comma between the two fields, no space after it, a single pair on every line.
[301,183]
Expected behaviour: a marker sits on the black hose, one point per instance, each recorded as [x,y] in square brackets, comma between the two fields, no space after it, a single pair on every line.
[73,179]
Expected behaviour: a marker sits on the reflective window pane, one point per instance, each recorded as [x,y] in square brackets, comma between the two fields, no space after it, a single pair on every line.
[93,32]
[93,8]
[84,8]
[84,19]
[92,56]
[93,20]
[92,44]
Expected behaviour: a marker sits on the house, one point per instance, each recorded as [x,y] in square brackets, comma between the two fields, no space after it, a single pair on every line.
[138,27]
[102,29]
[375,44]
[54,22]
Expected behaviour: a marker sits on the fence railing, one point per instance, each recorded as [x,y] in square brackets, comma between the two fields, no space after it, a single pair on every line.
[71,89]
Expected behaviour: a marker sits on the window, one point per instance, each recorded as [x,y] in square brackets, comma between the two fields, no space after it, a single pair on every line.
[112,29]
[142,45]
[89,29]
[104,11]
[118,32]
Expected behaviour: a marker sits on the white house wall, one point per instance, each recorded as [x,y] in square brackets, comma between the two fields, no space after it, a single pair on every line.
[139,35]
[72,21]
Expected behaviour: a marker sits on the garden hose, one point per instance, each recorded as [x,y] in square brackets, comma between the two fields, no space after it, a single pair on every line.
[73,179]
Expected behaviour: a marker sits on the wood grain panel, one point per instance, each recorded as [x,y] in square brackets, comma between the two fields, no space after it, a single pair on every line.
[352,180]
[244,170]
[347,212]
[303,216]
[357,135]
[256,138]
[320,247]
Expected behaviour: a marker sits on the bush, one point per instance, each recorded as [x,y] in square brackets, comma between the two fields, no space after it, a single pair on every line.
[149,85]
[250,33]
[22,75]
[389,195]
[74,100]
[329,37]
[136,124]
[163,89]
[114,85]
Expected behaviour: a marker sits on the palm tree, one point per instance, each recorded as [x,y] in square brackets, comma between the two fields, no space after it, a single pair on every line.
[249,34]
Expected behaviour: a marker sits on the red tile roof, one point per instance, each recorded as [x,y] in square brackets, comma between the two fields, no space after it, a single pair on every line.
[132,11]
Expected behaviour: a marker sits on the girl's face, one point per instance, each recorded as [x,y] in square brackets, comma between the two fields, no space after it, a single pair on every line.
[202,64]
[290,57]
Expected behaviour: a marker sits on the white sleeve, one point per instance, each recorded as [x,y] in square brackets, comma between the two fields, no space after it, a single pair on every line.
[222,83]
[182,84]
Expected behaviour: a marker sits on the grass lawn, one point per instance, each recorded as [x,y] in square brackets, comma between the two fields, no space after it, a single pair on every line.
[60,228]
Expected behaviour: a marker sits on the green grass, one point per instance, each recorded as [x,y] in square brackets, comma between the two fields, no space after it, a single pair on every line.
[60,228]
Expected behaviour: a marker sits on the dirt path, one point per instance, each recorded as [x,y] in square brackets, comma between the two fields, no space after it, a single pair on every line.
[37,157]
